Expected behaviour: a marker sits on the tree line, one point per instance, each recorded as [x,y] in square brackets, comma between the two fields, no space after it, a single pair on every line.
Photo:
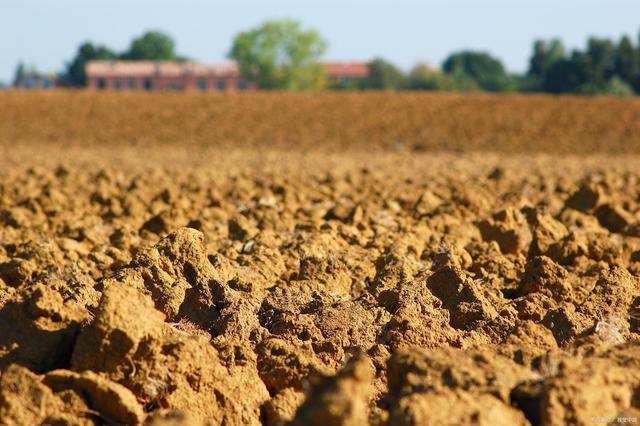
[602,67]
[282,55]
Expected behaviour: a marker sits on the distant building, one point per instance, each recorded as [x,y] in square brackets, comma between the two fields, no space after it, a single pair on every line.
[191,76]
[346,74]
[149,75]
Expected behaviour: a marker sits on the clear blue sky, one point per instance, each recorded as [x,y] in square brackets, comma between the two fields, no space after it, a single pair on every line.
[46,33]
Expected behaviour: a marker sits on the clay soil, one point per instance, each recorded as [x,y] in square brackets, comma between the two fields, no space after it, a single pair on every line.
[317,283]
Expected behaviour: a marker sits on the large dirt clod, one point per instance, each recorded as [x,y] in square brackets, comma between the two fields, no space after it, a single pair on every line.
[509,228]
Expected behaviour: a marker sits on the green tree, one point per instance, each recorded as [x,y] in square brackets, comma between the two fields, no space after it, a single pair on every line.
[152,46]
[424,77]
[567,75]
[600,65]
[483,68]
[383,75]
[618,87]
[587,72]
[627,63]
[21,72]
[279,54]
[75,74]
[636,81]
[544,55]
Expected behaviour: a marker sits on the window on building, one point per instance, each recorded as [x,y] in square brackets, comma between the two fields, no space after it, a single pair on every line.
[221,85]
[132,84]
[202,84]
[147,84]
[117,84]
[242,84]
[102,83]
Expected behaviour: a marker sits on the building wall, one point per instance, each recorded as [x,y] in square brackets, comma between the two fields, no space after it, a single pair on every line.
[180,83]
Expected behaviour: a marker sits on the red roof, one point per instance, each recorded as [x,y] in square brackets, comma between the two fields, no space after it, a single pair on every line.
[163,68]
[346,69]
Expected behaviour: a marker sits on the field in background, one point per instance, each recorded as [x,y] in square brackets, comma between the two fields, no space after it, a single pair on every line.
[333,121]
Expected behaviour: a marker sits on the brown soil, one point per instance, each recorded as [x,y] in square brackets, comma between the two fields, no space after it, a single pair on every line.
[198,285]
[372,121]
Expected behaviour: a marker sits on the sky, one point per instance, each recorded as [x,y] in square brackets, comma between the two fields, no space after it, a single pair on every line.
[46,33]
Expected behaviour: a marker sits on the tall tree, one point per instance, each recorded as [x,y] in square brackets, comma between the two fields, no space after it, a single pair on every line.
[279,54]
[486,70]
[383,75]
[636,81]
[601,64]
[20,74]
[152,46]
[75,73]
[625,59]
[544,55]
[565,75]
[627,62]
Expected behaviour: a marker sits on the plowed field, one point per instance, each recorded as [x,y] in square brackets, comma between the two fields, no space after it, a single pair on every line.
[329,259]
